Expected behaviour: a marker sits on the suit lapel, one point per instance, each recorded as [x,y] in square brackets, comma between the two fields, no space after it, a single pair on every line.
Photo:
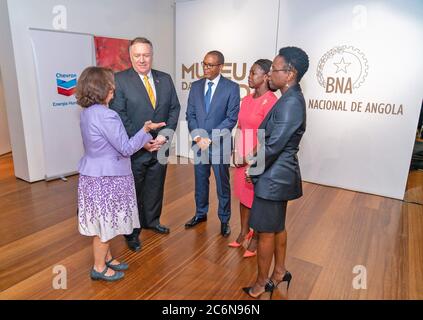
[157,86]
[141,88]
[293,90]
[201,93]
[217,93]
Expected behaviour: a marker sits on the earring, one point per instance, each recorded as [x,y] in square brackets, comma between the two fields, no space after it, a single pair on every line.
[287,85]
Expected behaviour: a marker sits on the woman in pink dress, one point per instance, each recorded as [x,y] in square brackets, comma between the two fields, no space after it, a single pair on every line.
[254,109]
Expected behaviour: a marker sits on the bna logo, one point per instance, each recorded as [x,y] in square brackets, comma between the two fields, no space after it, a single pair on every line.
[342,70]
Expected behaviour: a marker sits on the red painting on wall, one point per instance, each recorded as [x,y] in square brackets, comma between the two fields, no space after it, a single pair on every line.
[112,53]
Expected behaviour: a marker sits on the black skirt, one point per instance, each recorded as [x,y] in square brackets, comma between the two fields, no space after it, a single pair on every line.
[267,215]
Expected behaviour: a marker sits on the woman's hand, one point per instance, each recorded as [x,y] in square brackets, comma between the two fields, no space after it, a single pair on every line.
[149,125]
[247,175]
[237,160]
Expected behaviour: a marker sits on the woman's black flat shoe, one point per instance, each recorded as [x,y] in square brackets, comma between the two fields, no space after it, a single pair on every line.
[123,266]
[95,275]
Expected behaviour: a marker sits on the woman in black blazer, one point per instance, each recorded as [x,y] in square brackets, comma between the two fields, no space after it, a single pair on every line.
[277,177]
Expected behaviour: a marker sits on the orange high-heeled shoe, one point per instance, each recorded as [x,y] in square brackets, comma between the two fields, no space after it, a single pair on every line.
[235,244]
[249,254]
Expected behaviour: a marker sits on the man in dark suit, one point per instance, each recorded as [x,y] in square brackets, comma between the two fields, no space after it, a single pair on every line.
[142,94]
[212,112]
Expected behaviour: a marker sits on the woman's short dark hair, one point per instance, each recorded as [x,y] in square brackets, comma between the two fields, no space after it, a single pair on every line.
[296,58]
[264,64]
[94,86]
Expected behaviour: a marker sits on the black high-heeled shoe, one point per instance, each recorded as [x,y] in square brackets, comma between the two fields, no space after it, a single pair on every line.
[286,277]
[269,287]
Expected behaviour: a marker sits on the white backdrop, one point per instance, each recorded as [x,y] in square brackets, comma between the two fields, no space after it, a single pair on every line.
[63,56]
[374,49]
[379,47]
[4,128]
[243,30]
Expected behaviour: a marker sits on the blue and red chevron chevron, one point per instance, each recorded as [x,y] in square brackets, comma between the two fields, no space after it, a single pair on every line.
[66,87]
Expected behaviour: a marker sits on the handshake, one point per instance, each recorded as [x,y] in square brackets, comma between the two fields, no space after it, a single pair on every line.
[155,144]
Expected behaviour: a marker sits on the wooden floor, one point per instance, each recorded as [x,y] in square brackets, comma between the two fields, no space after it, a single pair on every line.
[330,231]
[414,189]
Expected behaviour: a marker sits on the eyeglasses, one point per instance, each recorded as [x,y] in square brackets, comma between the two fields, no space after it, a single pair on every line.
[276,70]
[288,68]
[209,66]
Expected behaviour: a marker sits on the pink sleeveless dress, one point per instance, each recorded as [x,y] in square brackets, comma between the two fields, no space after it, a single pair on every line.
[251,114]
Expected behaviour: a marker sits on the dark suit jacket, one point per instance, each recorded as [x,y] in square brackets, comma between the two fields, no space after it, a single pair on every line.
[133,105]
[223,113]
[284,127]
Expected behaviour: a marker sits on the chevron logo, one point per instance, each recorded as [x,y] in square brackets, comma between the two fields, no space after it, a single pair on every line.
[66,84]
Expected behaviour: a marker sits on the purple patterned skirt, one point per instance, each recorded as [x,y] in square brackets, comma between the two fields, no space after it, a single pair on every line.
[107,206]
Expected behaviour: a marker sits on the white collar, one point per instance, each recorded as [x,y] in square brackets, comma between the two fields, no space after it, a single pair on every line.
[215,80]
[149,75]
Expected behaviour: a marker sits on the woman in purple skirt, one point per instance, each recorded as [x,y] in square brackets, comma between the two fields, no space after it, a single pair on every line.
[107,204]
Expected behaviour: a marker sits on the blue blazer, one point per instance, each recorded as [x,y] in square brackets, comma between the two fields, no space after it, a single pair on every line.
[223,114]
[284,127]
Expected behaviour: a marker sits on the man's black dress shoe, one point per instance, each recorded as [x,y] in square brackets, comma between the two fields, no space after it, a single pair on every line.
[160,229]
[134,244]
[225,229]
[194,221]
